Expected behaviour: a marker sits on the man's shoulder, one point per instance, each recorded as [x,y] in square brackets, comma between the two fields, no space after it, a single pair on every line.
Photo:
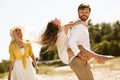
[79,26]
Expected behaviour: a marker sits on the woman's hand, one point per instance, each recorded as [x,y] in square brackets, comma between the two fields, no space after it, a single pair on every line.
[9,78]
[37,70]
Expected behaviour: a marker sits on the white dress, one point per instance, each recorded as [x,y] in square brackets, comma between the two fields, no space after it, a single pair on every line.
[62,46]
[20,73]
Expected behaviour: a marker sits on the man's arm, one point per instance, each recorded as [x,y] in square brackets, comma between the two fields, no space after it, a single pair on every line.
[74,38]
[77,35]
[81,54]
[88,52]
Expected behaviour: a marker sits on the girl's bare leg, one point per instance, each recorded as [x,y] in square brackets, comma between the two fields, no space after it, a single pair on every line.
[99,58]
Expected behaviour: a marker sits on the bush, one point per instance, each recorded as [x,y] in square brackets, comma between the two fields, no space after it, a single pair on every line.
[102,48]
[2,68]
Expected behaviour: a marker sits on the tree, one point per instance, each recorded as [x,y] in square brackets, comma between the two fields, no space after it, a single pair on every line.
[46,54]
[105,38]
[4,66]
[116,30]
[102,48]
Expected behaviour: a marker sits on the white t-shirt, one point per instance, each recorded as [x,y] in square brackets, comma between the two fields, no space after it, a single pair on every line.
[79,36]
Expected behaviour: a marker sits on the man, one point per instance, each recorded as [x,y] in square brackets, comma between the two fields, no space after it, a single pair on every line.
[79,44]
[80,36]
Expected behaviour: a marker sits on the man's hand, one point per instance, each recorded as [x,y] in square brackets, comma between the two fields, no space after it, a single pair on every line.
[83,56]
[9,77]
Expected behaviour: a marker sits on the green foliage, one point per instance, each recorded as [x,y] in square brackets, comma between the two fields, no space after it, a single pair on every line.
[103,48]
[4,66]
[116,30]
[44,69]
[2,69]
[115,48]
[105,38]
[48,54]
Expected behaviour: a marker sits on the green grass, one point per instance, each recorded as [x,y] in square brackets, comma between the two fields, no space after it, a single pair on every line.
[45,69]
[50,69]
[111,64]
[2,75]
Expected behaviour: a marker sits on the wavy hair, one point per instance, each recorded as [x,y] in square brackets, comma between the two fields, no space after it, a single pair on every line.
[49,37]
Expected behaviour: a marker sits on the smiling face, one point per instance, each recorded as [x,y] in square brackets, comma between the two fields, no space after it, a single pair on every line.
[84,11]
[84,14]
[57,22]
[17,33]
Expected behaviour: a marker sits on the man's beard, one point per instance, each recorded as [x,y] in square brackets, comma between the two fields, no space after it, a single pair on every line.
[83,18]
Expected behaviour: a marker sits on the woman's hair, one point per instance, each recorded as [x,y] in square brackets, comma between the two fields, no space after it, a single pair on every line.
[12,32]
[49,37]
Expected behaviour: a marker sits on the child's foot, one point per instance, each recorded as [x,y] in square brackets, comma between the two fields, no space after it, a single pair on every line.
[102,59]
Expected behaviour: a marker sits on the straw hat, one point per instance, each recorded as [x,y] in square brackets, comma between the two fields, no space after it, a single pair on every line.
[19,27]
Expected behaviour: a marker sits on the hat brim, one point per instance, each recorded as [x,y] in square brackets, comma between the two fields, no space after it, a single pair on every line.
[19,27]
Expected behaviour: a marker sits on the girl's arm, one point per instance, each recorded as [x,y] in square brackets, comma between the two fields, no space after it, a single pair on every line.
[72,24]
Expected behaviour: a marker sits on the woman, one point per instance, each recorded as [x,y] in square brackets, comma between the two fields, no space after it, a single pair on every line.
[55,34]
[20,66]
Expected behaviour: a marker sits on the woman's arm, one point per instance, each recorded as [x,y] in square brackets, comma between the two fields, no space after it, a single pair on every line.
[35,64]
[72,24]
[10,69]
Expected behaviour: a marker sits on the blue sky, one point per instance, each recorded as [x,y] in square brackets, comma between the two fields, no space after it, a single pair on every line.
[34,15]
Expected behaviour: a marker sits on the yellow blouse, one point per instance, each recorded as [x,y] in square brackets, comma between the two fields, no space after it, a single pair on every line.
[16,53]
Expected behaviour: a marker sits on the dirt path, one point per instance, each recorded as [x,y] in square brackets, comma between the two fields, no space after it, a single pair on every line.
[99,73]
[107,71]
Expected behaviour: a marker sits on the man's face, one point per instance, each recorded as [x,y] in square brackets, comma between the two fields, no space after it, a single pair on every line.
[84,14]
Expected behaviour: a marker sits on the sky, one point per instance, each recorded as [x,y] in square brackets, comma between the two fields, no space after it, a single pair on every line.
[35,14]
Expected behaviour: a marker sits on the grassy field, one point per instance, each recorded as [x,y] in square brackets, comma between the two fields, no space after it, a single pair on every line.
[2,75]
[111,64]
[108,71]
